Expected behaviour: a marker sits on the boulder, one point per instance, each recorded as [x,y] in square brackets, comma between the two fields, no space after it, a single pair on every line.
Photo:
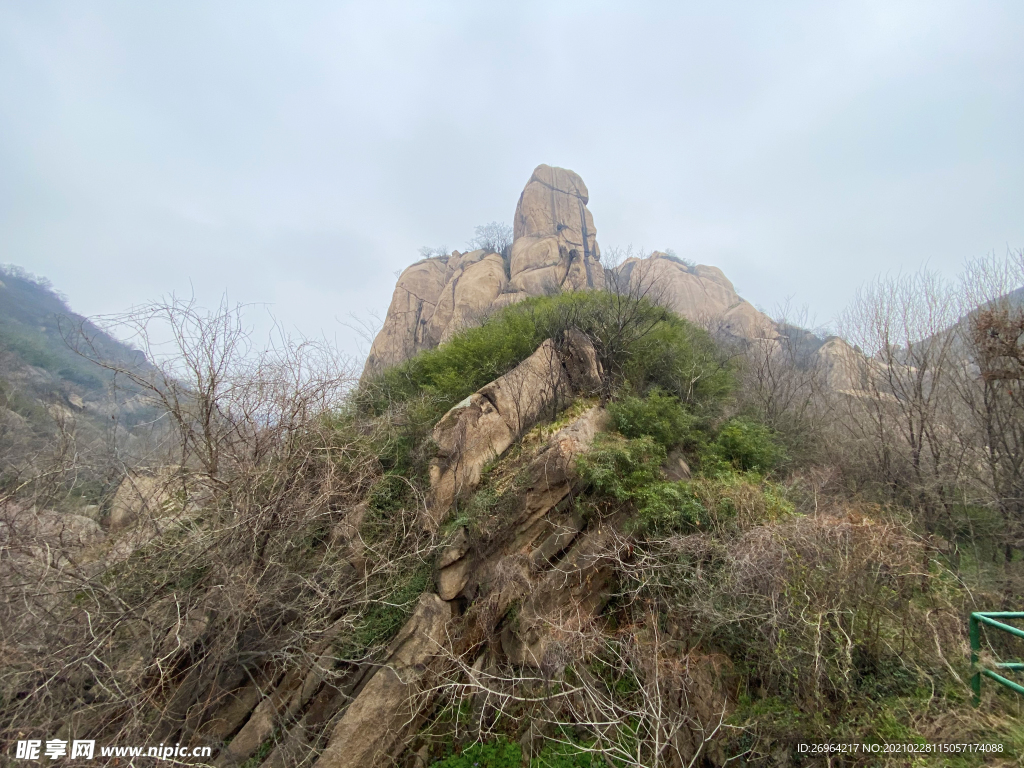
[555,240]
[676,468]
[452,579]
[454,551]
[387,706]
[469,297]
[844,368]
[485,424]
[141,495]
[700,293]
[404,332]
[48,535]
[581,363]
[552,475]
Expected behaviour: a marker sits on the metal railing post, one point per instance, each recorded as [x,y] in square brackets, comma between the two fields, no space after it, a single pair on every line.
[975,647]
[991,619]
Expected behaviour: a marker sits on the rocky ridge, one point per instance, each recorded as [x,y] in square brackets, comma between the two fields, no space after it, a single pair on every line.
[554,249]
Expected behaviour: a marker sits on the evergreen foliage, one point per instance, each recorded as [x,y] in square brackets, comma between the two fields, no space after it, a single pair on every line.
[658,415]
[639,345]
[748,446]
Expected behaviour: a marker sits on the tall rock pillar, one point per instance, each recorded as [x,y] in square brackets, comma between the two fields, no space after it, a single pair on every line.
[555,245]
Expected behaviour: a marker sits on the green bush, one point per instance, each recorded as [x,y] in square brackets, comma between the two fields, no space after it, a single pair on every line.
[389,493]
[644,347]
[683,360]
[624,472]
[502,753]
[496,754]
[658,415]
[628,472]
[747,446]
[620,468]
[467,361]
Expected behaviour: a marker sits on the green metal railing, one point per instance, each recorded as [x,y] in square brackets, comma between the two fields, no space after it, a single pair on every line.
[989,619]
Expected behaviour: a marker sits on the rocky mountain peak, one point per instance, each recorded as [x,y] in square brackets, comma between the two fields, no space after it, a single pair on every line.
[555,244]
[554,249]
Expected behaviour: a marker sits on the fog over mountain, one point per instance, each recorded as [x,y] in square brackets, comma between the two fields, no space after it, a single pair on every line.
[299,156]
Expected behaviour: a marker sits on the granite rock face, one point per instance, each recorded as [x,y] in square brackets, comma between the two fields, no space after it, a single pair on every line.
[377,719]
[481,427]
[554,249]
[434,299]
[555,246]
[699,293]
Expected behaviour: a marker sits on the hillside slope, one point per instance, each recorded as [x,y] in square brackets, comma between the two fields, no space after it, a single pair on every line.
[44,384]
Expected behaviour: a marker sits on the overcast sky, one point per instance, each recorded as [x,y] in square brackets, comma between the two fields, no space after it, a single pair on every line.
[297,154]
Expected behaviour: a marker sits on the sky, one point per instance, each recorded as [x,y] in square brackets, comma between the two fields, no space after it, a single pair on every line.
[296,155]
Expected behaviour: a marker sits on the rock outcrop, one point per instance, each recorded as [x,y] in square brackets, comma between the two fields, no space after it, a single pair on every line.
[699,293]
[844,368]
[386,708]
[555,246]
[50,537]
[140,495]
[481,427]
[554,249]
[541,555]
[516,586]
[437,297]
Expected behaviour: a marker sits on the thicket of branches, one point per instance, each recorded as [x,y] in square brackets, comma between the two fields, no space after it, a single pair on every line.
[838,514]
[224,581]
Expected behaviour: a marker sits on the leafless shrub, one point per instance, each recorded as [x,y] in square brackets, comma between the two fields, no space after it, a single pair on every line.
[495,237]
[431,252]
[905,421]
[989,381]
[784,382]
[628,695]
[234,576]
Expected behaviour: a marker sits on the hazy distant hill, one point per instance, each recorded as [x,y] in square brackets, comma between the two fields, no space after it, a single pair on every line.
[43,382]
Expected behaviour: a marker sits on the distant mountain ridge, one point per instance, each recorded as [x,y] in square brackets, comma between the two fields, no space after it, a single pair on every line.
[43,381]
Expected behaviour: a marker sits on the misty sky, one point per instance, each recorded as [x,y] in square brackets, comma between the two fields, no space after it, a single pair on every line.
[297,154]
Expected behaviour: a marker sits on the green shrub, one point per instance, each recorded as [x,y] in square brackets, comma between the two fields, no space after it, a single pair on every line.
[628,472]
[641,345]
[747,446]
[683,360]
[389,493]
[739,501]
[467,361]
[619,468]
[499,753]
[660,416]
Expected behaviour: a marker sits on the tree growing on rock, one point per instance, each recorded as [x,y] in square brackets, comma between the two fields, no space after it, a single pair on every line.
[495,237]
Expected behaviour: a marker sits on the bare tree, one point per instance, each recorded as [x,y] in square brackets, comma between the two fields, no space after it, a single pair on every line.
[495,237]
[784,379]
[430,252]
[905,417]
[990,383]
[228,589]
